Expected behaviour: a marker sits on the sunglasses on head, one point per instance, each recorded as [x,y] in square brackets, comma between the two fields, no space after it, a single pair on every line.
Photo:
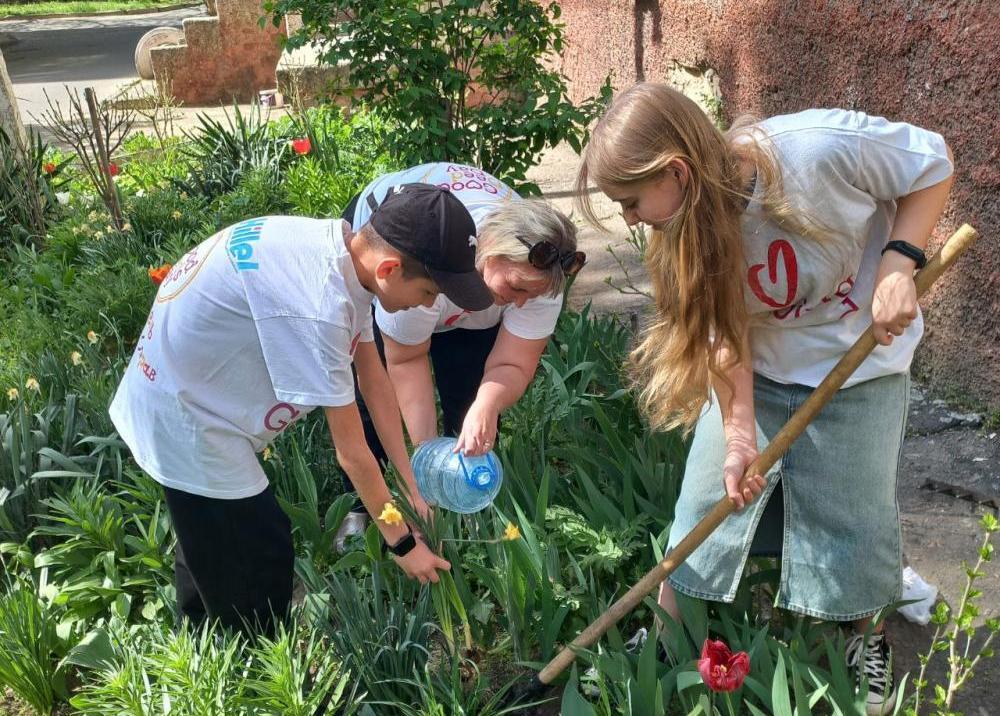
[545,254]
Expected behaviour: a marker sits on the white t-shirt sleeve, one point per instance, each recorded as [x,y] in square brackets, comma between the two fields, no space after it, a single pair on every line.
[309,361]
[366,326]
[896,159]
[537,318]
[409,327]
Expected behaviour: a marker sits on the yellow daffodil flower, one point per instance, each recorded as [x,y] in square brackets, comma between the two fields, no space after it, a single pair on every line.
[391,515]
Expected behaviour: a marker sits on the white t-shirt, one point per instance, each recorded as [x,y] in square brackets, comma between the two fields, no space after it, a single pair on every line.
[810,300]
[480,193]
[535,319]
[250,330]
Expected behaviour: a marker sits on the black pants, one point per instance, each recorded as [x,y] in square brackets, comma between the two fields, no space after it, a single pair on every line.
[458,358]
[234,559]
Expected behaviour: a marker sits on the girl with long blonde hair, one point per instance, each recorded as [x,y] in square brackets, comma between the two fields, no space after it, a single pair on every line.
[774,245]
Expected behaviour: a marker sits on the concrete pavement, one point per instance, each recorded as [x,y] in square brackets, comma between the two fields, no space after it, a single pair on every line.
[48,54]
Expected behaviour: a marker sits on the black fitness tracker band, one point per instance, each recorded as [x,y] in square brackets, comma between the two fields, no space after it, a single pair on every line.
[403,547]
[908,250]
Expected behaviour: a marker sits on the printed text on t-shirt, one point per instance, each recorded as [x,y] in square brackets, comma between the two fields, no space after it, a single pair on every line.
[781,255]
[241,244]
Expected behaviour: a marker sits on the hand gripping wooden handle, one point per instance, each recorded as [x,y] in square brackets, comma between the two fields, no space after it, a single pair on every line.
[944,258]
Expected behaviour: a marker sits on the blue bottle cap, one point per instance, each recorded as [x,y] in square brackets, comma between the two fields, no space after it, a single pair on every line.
[481,477]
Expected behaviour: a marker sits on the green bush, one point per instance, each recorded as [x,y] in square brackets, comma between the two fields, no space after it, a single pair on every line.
[463,81]
[253,196]
[27,191]
[221,154]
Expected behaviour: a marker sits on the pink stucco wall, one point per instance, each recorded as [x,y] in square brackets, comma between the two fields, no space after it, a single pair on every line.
[936,64]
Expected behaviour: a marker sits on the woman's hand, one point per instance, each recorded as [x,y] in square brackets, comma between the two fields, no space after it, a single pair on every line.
[479,429]
[740,453]
[894,304]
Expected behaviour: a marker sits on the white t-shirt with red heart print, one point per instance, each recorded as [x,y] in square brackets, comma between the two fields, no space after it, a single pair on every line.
[481,193]
[535,319]
[250,330]
[809,299]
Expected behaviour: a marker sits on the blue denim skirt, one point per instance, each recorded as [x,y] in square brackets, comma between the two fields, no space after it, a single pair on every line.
[839,532]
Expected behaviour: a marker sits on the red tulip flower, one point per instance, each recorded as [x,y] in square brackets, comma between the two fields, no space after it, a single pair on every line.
[113,169]
[49,167]
[156,275]
[301,146]
[720,668]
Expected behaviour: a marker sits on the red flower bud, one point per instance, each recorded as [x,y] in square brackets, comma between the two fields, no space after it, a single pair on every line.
[720,668]
[49,167]
[156,275]
[301,146]
[113,169]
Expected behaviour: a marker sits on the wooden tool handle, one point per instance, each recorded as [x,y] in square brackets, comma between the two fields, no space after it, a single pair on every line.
[777,447]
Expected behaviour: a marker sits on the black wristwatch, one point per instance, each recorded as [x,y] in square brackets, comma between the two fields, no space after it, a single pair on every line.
[908,250]
[403,547]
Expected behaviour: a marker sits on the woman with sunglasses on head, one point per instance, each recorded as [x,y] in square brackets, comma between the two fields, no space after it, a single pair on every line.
[482,361]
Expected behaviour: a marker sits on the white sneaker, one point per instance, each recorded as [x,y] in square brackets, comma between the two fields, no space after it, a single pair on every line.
[873,661]
[588,682]
[354,524]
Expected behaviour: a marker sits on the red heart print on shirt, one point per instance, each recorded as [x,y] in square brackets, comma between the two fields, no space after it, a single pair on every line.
[778,252]
[452,320]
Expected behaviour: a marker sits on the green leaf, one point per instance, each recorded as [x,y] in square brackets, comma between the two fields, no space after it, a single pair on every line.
[94,651]
[780,699]
[573,704]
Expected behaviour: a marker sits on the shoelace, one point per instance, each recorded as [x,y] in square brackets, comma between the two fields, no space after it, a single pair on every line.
[875,666]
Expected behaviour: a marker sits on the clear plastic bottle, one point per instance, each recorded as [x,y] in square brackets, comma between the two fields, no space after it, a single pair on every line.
[453,481]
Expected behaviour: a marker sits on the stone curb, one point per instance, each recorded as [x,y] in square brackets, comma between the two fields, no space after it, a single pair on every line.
[141,11]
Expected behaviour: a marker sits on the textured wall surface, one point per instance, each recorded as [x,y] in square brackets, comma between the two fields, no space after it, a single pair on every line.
[932,63]
[226,57]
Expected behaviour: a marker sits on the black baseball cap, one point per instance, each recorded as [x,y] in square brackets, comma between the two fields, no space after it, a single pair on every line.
[430,224]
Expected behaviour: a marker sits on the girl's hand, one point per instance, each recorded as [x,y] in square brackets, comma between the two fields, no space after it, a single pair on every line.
[739,454]
[894,304]
[479,429]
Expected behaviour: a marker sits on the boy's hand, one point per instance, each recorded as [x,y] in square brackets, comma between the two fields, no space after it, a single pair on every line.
[894,304]
[422,564]
[420,506]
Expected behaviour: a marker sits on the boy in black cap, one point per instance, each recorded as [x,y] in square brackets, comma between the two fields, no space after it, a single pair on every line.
[252,329]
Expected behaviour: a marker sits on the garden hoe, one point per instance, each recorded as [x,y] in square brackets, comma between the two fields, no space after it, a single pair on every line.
[951,250]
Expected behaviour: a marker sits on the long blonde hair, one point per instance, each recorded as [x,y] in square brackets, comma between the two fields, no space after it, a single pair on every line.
[696,263]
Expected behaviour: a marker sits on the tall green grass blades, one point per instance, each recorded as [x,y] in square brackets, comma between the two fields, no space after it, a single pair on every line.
[222,154]
[293,678]
[382,636]
[31,648]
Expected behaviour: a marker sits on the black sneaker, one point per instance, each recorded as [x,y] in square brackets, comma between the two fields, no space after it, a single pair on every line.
[872,660]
